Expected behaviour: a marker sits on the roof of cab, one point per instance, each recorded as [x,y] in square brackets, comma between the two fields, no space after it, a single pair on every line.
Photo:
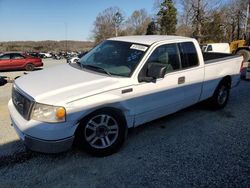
[148,39]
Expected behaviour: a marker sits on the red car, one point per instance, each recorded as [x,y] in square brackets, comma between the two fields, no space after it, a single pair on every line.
[16,60]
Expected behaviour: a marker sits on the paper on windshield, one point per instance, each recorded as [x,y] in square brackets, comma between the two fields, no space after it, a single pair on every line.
[139,47]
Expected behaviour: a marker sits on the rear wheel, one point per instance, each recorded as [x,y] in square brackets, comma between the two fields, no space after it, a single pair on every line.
[221,95]
[29,67]
[102,133]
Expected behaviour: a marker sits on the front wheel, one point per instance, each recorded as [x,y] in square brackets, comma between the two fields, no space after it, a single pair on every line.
[221,96]
[102,133]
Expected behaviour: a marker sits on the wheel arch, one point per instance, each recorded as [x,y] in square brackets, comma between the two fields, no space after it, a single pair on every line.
[116,110]
[225,79]
[80,137]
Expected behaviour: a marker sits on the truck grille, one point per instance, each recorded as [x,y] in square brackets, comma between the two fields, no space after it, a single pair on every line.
[22,104]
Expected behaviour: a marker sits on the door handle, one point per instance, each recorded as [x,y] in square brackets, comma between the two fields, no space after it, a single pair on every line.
[127,90]
[181,80]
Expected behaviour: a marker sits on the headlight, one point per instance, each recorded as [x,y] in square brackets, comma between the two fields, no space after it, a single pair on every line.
[48,113]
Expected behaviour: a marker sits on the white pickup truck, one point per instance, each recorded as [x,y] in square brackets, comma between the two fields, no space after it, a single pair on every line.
[121,83]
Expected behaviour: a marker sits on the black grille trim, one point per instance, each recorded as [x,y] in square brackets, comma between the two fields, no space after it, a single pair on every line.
[22,103]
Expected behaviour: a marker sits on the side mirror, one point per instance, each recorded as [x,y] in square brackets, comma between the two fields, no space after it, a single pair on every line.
[153,72]
[156,70]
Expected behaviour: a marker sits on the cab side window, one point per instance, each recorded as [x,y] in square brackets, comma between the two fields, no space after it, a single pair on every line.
[188,53]
[168,55]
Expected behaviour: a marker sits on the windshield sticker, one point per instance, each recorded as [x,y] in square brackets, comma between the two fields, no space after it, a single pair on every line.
[139,47]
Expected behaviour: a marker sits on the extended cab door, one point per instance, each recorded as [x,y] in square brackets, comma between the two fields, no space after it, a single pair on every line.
[192,73]
[181,86]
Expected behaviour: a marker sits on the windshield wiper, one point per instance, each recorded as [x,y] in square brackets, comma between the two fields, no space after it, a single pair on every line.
[95,67]
[79,63]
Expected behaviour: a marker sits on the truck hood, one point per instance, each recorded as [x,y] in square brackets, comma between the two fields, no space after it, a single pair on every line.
[64,83]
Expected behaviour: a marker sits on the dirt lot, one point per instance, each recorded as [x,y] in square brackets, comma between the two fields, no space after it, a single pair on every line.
[195,147]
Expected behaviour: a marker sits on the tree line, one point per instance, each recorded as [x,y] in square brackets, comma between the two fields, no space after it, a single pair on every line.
[46,46]
[205,20]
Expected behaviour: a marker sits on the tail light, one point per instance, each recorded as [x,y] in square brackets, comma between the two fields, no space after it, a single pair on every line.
[241,67]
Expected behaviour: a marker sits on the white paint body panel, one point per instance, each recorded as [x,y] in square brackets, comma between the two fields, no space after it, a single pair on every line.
[82,92]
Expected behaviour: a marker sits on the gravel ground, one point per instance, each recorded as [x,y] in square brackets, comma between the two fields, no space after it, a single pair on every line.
[195,147]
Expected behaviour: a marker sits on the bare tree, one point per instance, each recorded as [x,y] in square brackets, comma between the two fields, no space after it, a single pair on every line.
[185,18]
[107,24]
[234,21]
[138,22]
[193,15]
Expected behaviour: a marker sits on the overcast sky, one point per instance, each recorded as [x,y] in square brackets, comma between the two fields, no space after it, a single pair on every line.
[57,19]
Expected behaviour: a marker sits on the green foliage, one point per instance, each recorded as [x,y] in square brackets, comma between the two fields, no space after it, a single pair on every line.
[151,30]
[167,17]
[213,28]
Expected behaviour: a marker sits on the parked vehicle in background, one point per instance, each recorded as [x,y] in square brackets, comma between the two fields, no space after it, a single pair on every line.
[35,54]
[76,58]
[56,56]
[241,47]
[17,60]
[45,55]
[216,47]
[121,83]
[72,59]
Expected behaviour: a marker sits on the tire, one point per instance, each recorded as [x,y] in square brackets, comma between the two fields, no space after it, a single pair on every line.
[29,67]
[245,54]
[102,133]
[221,95]
[3,81]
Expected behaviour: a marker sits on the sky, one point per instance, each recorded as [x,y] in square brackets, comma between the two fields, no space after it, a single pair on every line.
[22,20]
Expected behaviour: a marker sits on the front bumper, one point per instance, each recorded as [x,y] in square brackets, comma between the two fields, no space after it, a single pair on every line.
[43,137]
[44,146]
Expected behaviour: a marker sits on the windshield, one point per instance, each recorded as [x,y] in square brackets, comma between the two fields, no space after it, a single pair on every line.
[114,58]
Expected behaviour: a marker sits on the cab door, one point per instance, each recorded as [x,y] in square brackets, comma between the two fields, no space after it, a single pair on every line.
[165,95]
[180,88]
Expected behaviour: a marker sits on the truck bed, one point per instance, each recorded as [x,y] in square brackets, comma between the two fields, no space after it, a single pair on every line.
[213,57]
[217,66]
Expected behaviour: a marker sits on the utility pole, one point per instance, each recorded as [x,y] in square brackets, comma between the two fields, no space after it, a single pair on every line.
[117,20]
[66,37]
[246,32]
